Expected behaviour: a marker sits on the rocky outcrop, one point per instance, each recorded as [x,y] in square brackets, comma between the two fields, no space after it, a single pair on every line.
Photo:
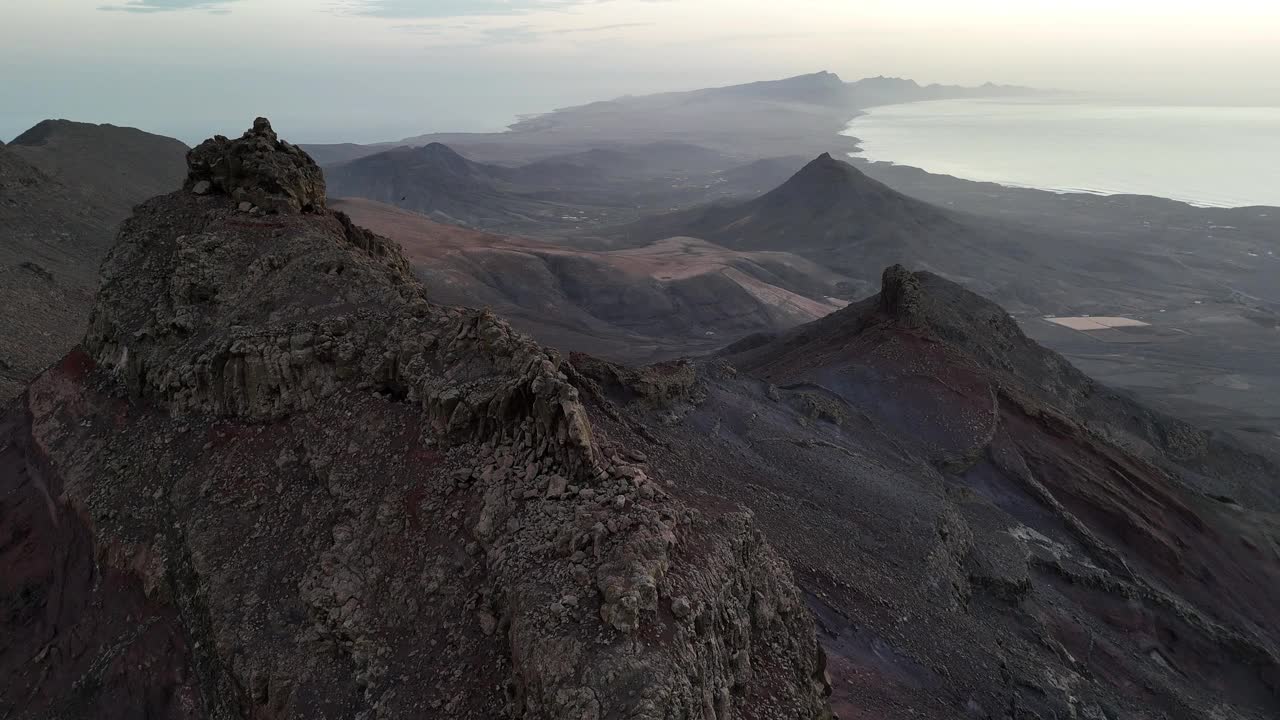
[258,168]
[350,502]
[900,293]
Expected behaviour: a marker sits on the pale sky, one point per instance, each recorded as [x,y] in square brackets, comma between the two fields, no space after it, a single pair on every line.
[367,70]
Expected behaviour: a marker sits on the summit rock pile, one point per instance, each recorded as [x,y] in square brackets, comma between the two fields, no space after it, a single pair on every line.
[276,481]
[258,168]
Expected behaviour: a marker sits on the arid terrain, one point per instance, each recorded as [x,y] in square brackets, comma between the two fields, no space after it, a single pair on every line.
[654,408]
[64,187]
[667,298]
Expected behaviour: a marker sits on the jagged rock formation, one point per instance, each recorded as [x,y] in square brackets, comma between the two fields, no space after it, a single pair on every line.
[275,481]
[980,530]
[900,293]
[257,168]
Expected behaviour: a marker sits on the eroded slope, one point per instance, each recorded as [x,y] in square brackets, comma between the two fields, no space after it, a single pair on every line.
[980,530]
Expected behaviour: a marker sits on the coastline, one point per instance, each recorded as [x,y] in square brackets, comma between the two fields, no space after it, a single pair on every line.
[1191,155]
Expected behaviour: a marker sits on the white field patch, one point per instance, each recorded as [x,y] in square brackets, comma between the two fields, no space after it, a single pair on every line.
[797,306]
[1096,323]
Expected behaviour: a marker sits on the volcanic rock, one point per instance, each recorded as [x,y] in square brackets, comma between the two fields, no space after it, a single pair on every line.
[259,168]
[899,293]
[276,481]
[979,528]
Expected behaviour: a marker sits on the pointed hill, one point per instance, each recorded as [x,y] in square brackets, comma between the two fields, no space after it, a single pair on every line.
[833,214]
[829,211]
[827,205]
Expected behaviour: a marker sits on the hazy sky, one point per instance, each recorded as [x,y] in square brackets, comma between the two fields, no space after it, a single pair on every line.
[363,70]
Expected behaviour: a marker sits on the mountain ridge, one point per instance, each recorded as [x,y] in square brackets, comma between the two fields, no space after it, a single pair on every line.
[66,186]
[954,496]
[801,115]
[483,517]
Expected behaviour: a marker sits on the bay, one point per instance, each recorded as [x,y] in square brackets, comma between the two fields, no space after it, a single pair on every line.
[1209,156]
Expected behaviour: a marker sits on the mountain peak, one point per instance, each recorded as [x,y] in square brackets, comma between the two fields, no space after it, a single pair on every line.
[45,130]
[442,152]
[439,147]
[39,133]
[824,176]
[825,76]
[257,168]
[925,298]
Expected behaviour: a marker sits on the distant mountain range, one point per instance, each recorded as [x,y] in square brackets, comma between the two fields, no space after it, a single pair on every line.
[801,115]
[557,194]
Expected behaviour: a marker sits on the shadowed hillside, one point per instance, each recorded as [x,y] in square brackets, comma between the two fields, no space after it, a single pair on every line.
[64,187]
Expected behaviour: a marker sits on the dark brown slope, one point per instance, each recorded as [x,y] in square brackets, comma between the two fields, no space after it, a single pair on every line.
[673,298]
[64,187]
[981,530]
[118,167]
[275,482]
[51,241]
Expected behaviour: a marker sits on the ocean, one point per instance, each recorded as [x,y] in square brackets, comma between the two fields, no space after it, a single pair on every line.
[1209,156]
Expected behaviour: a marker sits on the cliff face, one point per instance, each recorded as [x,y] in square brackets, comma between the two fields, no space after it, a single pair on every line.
[275,481]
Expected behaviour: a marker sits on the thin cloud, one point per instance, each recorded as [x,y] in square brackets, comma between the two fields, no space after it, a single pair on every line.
[217,7]
[472,34]
[408,9]
[521,32]
[598,28]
